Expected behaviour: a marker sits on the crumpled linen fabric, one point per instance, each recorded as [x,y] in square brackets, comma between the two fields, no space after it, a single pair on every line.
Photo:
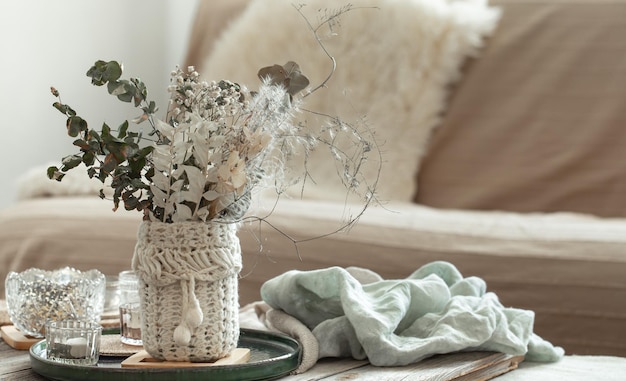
[398,322]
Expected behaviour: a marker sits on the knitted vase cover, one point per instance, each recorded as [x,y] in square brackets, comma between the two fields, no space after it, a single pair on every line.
[188,275]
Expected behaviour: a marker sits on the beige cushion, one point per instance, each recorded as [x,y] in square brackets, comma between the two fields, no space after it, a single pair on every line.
[538,121]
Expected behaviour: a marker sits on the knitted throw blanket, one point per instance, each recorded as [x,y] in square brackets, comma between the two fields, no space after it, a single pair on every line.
[189,298]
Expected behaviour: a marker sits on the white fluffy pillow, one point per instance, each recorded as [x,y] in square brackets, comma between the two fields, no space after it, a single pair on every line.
[394,66]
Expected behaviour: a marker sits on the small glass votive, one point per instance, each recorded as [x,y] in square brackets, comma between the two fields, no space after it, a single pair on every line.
[130,330]
[130,308]
[75,342]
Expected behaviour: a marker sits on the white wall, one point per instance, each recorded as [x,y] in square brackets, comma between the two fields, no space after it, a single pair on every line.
[47,43]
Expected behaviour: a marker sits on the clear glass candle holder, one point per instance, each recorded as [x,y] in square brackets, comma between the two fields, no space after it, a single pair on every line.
[35,296]
[130,308]
[130,320]
[75,342]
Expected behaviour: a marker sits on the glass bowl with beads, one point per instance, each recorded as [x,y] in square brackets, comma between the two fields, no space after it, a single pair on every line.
[36,296]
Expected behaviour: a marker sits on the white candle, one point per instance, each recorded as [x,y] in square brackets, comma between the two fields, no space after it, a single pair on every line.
[78,347]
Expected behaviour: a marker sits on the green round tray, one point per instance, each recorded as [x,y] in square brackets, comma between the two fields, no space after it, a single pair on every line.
[271,356]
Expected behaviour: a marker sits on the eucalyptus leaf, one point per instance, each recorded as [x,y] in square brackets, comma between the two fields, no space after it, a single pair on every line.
[71,161]
[129,150]
[145,151]
[95,147]
[121,173]
[289,76]
[89,158]
[94,135]
[116,88]
[53,173]
[138,184]
[126,97]
[64,109]
[75,125]
[102,72]
[130,201]
[298,82]
[103,174]
[81,143]
[106,131]
[113,71]
[152,108]
[141,93]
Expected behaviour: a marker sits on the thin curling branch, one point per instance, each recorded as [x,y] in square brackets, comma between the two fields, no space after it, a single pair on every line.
[321,45]
[314,30]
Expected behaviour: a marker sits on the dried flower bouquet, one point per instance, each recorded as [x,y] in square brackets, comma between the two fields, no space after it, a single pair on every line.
[217,142]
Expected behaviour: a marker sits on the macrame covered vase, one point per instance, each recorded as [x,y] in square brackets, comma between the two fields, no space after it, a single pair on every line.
[188,274]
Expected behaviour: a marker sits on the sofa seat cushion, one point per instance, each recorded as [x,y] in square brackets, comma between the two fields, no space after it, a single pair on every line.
[568,268]
[537,123]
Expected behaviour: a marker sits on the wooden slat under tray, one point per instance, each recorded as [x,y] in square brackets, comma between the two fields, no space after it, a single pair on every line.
[143,360]
[16,339]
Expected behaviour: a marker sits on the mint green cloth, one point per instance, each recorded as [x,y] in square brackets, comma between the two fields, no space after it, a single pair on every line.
[398,322]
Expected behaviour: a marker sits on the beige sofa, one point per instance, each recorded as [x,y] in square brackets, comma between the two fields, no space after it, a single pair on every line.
[522,182]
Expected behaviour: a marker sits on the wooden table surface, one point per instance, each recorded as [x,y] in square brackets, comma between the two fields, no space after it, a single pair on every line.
[15,365]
